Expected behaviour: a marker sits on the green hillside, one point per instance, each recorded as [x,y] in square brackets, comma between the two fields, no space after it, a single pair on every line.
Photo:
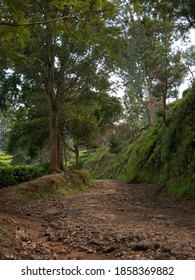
[163,153]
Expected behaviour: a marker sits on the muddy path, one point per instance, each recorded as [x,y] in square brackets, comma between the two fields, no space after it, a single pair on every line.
[112,220]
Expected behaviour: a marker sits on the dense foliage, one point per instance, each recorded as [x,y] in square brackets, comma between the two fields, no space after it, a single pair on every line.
[163,153]
[13,175]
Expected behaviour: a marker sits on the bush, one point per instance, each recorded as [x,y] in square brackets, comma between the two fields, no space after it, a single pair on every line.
[115,144]
[13,175]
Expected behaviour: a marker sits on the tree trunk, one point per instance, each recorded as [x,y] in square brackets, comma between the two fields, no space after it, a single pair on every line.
[49,86]
[149,116]
[60,152]
[165,99]
[76,147]
[54,156]
[65,156]
[164,108]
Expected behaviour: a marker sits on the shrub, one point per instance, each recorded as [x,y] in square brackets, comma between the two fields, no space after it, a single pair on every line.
[114,144]
[13,175]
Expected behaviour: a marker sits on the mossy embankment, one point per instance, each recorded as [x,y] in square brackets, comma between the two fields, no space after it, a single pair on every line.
[163,153]
[48,186]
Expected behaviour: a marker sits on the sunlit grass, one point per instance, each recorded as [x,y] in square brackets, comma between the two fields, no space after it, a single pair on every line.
[5,159]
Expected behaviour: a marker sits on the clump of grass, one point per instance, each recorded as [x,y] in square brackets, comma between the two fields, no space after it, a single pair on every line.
[5,159]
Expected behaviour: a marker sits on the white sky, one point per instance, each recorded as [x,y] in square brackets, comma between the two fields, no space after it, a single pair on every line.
[185,85]
[192,35]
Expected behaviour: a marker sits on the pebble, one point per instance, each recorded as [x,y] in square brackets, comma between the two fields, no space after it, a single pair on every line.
[140,246]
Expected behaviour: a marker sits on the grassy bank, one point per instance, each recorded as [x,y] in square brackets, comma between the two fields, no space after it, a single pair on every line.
[48,186]
[163,154]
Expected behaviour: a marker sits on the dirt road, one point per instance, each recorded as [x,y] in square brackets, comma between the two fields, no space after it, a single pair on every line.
[112,220]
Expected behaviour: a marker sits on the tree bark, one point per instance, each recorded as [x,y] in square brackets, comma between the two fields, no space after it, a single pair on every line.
[53,108]
[60,152]
[54,155]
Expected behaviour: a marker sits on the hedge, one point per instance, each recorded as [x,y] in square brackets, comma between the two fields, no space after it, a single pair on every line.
[13,175]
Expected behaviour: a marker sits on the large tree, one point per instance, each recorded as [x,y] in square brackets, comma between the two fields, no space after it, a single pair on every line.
[67,50]
[80,121]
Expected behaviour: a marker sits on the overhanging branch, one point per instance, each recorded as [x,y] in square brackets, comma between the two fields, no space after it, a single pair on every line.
[37,22]
[26,24]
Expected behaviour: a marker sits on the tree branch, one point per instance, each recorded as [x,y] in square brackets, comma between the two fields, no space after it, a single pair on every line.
[14,24]
[37,22]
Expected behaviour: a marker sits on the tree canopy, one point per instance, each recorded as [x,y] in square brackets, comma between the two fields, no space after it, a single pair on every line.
[57,57]
[63,51]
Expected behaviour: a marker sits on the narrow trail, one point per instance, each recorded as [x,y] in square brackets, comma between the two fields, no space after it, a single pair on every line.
[112,220]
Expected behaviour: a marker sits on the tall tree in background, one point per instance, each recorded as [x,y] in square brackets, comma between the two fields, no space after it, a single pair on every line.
[154,71]
[189,60]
